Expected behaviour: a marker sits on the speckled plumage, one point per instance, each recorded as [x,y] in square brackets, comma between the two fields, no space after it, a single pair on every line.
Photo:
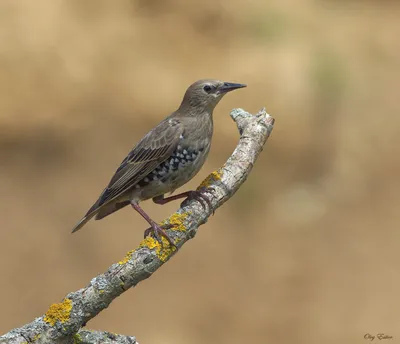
[168,156]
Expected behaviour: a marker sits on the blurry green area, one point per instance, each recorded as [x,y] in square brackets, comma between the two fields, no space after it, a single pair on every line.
[270,25]
[328,77]
[305,252]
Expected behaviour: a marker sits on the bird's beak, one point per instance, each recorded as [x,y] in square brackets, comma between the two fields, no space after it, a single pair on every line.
[230,86]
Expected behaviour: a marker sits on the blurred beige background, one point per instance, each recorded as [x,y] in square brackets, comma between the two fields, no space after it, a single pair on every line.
[306,252]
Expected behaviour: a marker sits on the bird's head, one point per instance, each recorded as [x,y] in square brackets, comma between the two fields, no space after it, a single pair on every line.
[204,95]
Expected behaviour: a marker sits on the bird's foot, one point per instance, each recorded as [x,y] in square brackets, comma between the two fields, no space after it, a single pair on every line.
[159,232]
[199,196]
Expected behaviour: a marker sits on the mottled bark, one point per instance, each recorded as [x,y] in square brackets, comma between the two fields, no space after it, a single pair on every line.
[63,321]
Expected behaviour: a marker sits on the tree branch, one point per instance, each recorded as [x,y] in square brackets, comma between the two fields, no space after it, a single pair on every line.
[63,321]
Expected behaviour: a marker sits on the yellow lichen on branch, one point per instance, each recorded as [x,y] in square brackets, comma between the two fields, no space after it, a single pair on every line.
[176,221]
[58,312]
[163,251]
[213,177]
[126,258]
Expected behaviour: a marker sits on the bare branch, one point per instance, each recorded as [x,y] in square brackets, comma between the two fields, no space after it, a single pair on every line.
[82,337]
[91,337]
[63,321]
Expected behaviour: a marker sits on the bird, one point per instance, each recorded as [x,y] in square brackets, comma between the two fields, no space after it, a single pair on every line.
[166,158]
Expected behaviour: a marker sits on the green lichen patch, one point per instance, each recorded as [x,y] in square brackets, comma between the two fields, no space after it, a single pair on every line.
[77,339]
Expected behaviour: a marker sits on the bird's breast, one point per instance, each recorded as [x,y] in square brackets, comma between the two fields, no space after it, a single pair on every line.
[182,165]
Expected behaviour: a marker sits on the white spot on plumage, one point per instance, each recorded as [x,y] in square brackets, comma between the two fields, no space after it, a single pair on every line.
[137,186]
[146,180]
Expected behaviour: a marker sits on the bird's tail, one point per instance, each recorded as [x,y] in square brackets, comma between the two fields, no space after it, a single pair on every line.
[110,208]
[82,222]
[99,210]
[91,212]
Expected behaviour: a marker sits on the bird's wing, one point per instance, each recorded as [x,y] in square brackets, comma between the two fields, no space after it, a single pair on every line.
[152,150]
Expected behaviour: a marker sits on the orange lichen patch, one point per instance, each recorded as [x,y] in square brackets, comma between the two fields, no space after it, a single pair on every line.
[213,177]
[126,259]
[163,251]
[58,312]
[177,221]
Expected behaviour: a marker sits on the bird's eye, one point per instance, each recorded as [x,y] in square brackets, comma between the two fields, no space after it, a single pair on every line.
[207,88]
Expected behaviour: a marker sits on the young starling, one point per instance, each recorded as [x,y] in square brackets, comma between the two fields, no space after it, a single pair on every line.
[168,157]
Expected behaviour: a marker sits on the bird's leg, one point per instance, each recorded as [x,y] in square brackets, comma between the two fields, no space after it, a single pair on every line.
[198,195]
[155,228]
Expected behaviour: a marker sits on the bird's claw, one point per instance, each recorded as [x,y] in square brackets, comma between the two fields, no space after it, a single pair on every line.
[158,232]
[199,196]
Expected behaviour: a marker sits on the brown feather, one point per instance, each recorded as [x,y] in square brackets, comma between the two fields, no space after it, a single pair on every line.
[151,151]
